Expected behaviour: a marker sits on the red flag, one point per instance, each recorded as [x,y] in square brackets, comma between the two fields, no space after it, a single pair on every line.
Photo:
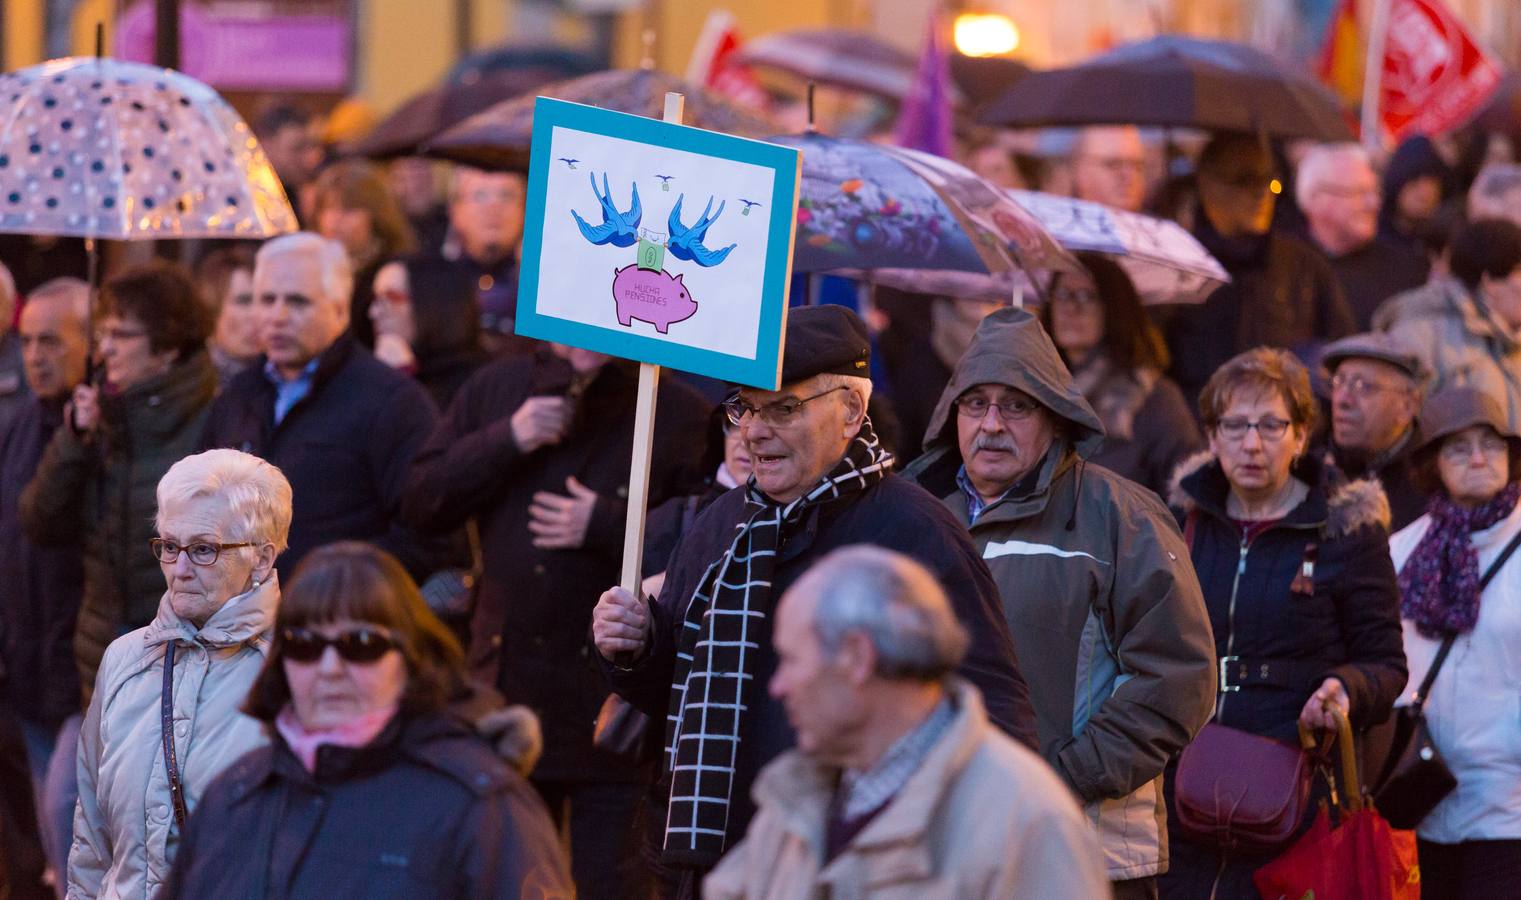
[1434,75]
[713,63]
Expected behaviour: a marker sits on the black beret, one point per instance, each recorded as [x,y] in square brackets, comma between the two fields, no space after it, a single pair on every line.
[826,339]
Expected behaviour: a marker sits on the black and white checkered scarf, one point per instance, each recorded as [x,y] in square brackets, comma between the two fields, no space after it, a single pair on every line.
[726,625]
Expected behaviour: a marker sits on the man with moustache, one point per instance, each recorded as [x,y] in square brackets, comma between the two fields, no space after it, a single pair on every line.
[1107,615]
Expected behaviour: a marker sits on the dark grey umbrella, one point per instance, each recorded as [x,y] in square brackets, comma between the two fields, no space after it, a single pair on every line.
[1179,82]
[431,113]
[500,137]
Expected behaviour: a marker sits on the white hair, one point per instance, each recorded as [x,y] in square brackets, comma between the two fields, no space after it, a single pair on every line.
[337,271]
[258,496]
[894,602]
[73,292]
[1315,168]
[857,383]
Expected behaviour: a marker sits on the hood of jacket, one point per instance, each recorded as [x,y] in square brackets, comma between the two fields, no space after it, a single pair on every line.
[1445,298]
[1012,349]
[242,619]
[1338,508]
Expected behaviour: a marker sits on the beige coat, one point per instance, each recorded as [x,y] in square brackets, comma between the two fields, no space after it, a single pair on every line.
[982,817]
[124,830]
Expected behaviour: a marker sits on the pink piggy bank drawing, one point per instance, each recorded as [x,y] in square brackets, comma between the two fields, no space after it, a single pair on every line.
[651,296]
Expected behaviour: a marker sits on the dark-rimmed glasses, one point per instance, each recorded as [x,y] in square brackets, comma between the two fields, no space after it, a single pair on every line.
[202,553]
[1267,428]
[774,414]
[976,407]
[360,645]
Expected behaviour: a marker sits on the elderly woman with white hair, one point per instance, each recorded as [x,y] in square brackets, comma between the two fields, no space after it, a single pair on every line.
[165,720]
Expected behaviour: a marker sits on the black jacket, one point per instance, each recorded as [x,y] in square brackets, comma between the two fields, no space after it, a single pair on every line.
[345,449]
[1395,471]
[99,497]
[40,600]
[533,610]
[894,514]
[1349,627]
[1282,294]
[425,810]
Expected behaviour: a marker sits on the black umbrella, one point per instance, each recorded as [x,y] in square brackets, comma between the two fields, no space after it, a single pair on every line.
[1180,82]
[500,137]
[435,111]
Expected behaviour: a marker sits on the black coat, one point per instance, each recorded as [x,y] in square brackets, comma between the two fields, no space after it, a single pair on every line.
[1375,272]
[533,610]
[1395,471]
[40,601]
[1348,627]
[1282,294]
[345,449]
[894,514]
[425,810]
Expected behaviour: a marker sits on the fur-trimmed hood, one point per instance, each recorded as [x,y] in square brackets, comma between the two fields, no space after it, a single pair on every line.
[1342,506]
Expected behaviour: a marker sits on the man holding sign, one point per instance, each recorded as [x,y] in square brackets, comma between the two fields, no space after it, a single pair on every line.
[821,481]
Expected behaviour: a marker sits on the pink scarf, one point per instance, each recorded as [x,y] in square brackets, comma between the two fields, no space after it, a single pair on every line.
[353,733]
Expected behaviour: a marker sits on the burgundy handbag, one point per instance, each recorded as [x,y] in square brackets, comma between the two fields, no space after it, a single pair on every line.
[1239,791]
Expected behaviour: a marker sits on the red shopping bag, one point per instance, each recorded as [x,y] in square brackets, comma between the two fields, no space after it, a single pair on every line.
[1361,858]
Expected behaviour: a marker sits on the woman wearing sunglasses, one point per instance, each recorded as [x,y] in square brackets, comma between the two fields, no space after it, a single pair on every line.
[369,787]
[164,718]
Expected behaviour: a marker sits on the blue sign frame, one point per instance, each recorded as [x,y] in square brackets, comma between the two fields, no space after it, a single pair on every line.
[764,371]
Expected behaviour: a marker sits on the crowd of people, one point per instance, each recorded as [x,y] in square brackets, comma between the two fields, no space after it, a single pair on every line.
[309,558]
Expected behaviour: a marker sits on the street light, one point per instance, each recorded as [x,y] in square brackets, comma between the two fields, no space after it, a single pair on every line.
[985,34]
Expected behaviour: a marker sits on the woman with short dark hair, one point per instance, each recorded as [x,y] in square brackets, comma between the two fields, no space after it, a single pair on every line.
[369,787]
[1117,357]
[1466,328]
[1471,842]
[1295,570]
[94,488]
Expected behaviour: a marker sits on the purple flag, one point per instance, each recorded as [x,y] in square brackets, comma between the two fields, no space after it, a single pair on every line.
[924,123]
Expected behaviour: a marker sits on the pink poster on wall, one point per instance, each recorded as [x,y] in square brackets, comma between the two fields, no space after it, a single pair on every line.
[248,51]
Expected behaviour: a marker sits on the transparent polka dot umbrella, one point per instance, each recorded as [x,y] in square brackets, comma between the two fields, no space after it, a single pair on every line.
[100,148]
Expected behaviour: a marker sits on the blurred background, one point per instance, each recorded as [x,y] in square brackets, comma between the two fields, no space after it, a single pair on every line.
[381,52]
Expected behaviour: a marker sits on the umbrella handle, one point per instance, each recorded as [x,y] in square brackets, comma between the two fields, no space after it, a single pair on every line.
[1353,791]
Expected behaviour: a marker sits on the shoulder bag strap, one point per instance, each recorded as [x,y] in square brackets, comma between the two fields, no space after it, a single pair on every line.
[166,716]
[1446,648]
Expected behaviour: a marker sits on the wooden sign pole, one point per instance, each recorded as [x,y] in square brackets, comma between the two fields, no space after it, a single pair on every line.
[644,438]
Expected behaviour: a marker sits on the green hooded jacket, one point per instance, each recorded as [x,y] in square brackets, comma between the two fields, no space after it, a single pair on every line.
[1106,612]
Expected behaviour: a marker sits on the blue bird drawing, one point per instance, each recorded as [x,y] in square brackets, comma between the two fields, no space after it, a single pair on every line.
[686,243]
[569,162]
[665,181]
[748,204]
[621,229]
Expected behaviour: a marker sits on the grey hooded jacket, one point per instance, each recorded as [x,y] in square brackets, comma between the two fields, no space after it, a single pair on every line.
[1107,615]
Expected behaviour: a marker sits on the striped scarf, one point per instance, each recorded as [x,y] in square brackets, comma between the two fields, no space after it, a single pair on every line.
[725,626]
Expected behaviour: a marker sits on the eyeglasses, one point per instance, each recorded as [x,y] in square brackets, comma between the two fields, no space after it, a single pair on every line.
[975,407]
[1359,386]
[1269,429]
[1456,450]
[202,553]
[361,645]
[1079,297]
[774,414]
